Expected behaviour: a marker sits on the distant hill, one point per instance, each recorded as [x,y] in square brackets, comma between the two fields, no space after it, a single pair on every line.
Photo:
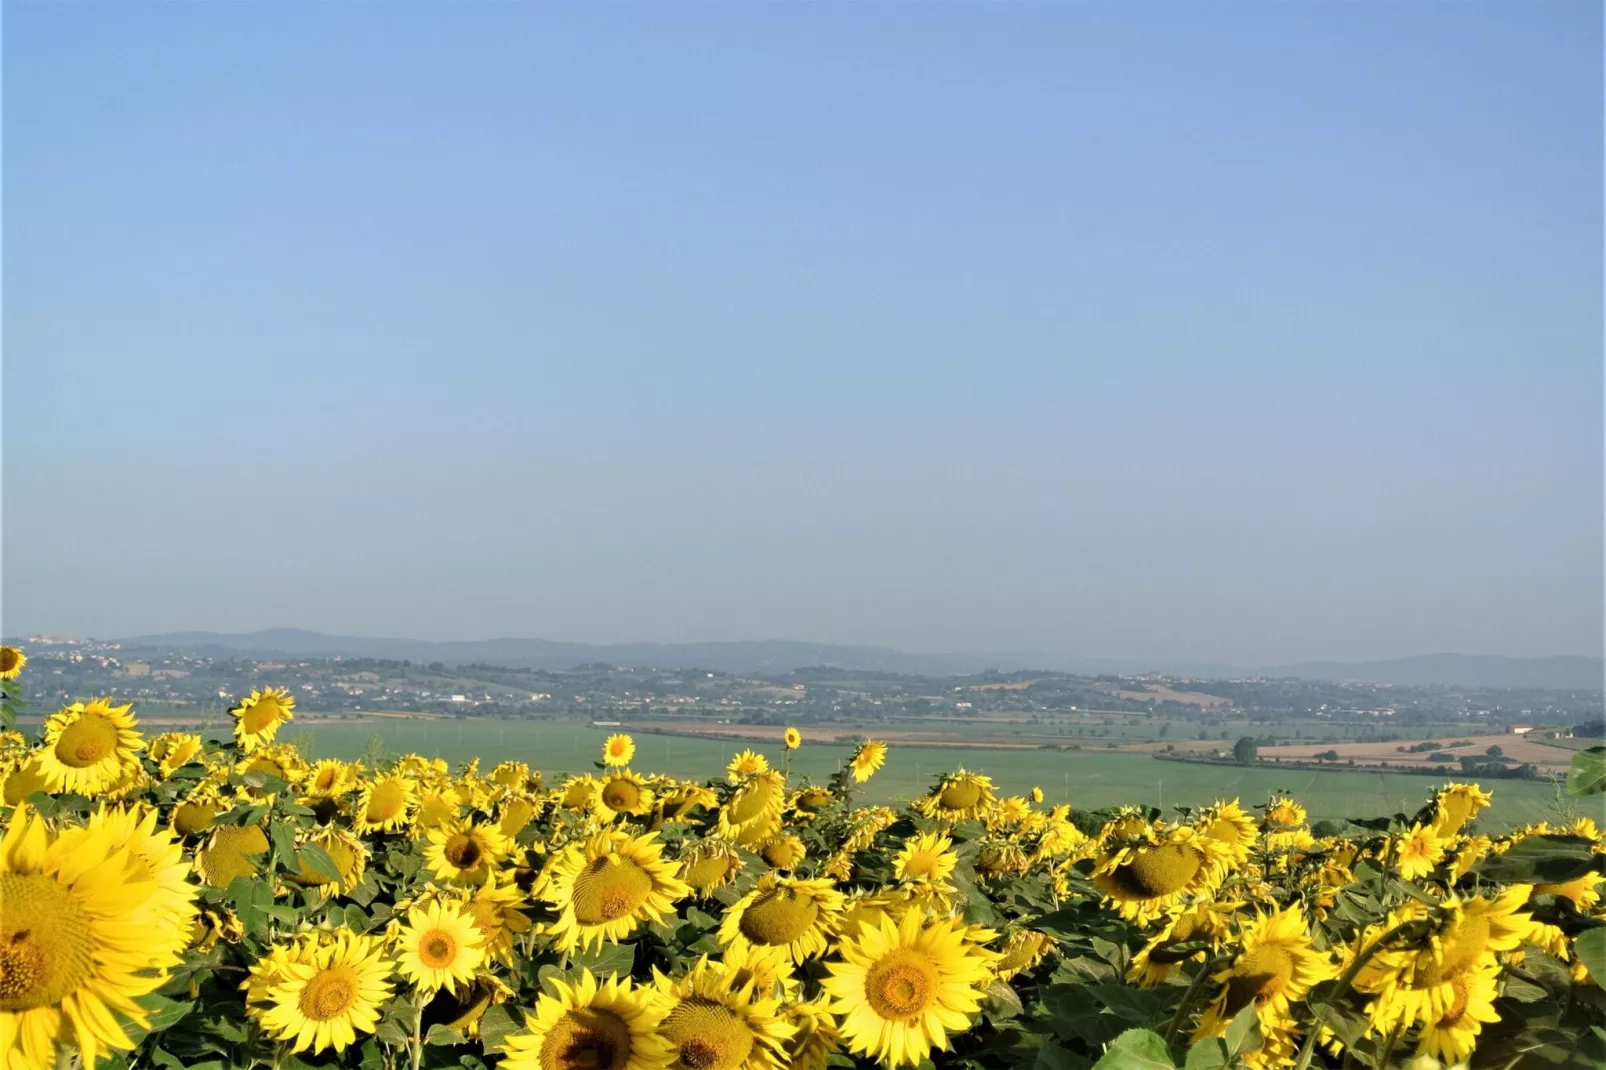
[768,656]
[755,656]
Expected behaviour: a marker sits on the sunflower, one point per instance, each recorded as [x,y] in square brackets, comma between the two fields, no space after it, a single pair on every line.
[384,804]
[793,738]
[498,910]
[1229,825]
[1582,891]
[258,716]
[1456,804]
[799,915]
[753,811]
[1149,878]
[463,852]
[617,750]
[607,885]
[1023,951]
[89,748]
[347,853]
[708,865]
[959,796]
[927,857]
[899,989]
[767,969]
[76,918]
[12,662]
[1284,813]
[746,763]
[465,1008]
[1418,851]
[327,993]
[1006,812]
[589,1026]
[172,751]
[154,855]
[1453,1033]
[676,801]
[197,812]
[329,778]
[22,780]
[277,760]
[515,811]
[1159,958]
[810,800]
[782,852]
[621,792]
[714,1024]
[816,1038]
[870,756]
[439,947]
[1275,967]
[231,851]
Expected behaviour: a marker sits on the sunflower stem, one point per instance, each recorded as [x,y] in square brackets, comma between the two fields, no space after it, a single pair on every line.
[418,1035]
[1348,979]
[1187,1003]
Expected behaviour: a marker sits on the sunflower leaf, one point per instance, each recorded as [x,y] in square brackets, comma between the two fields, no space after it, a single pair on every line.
[1587,774]
[1136,1049]
[1591,950]
[315,862]
[496,1023]
[1243,1032]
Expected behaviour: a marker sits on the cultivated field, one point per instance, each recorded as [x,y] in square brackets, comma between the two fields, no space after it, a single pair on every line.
[1090,778]
[1549,758]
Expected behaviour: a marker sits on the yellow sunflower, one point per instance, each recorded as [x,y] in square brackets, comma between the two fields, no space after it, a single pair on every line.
[172,751]
[515,811]
[76,949]
[959,796]
[22,780]
[782,852]
[329,778]
[708,865]
[1024,949]
[591,1026]
[258,716]
[154,855]
[621,792]
[768,970]
[1143,880]
[617,750]
[793,738]
[89,748]
[927,857]
[714,1024]
[746,763]
[799,915]
[676,801]
[12,662]
[577,793]
[345,850]
[816,1038]
[607,885]
[1418,851]
[1284,813]
[1275,967]
[753,811]
[231,851]
[327,993]
[870,756]
[463,852]
[1159,959]
[1453,1033]
[1228,824]
[439,947]
[900,989]
[197,812]
[1456,804]
[1584,891]
[385,804]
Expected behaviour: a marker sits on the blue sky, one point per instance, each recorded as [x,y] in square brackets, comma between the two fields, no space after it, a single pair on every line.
[1246,332]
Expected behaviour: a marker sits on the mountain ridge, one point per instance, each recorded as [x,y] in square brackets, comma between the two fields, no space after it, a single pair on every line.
[1561,672]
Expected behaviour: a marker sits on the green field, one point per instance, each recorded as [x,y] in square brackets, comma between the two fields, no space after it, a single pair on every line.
[1089,779]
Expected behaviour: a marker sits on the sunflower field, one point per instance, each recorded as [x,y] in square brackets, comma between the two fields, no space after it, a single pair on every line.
[170,901]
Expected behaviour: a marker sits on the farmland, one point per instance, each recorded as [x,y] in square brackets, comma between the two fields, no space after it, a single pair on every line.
[1089,779]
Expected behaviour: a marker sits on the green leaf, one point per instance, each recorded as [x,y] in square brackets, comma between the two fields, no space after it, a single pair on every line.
[1136,1049]
[608,960]
[1243,1032]
[1587,775]
[444,1036]
[283,835]
[1539,859]
[393,1034]
[1209,1054]
[1346,1022]
[1124,1001]
[164,1012]
[315,862]
[1053,1057]
[1590,947]
[1002,1001]
[495,1024]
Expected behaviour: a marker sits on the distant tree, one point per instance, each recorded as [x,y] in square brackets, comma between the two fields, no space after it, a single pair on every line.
[1495,751]
[1245,750]
[1164,729]
[1328,756]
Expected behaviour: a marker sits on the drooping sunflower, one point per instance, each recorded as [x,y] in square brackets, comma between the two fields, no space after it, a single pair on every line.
[900,989]
[498,910]
[1418,851]
[328,992]
[1276,966]
[345,850]
[576,793]
[329,778]
[75,943]
[438,805]
[607,885]
[621,792]
[617,750]
[516,810]
[463,852]
[384,804]
[746,763]
[12,662]
[1228,824]
[20,779]
[797,914]
[870,756]
[1159,958]
[1456,804]
[676,800]
[716,1025]
[708,865]
[784,851]
[198,811]
[278,760]
[1149,877]
[768,970]
[172,751]
[89,747]
[1024,949]
[1583,891]
[792,738]
[753,811]
[231,851]
[587,1026]
[257,717]
[927,857]
[1452,1035]
[959,796]
[439,947]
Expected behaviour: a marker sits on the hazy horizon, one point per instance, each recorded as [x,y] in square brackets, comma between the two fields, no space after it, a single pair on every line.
[1250,335]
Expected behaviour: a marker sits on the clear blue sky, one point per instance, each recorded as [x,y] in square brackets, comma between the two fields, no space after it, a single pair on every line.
[1244,332]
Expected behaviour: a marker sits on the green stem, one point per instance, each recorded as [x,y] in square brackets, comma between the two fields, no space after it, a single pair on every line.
[1187,1003]
[418,1033]
[1344,984]
[1388,1048]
